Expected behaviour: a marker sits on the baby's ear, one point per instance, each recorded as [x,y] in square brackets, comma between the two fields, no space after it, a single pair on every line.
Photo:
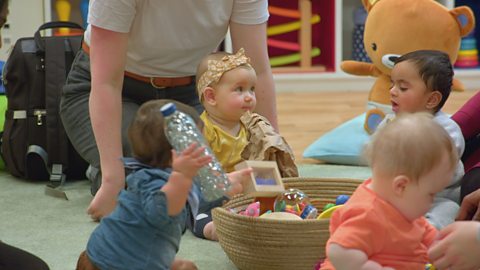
[399,184]
[209,95]
[434,100]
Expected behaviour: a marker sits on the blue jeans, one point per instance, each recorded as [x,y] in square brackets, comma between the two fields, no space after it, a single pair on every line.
[75,115]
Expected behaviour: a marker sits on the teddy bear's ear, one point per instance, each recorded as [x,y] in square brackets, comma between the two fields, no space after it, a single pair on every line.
[368,4]
[465,19]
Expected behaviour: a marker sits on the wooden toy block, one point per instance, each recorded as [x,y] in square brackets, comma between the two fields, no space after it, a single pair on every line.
[265,180]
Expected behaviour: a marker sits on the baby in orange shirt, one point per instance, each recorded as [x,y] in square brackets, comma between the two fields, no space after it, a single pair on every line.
[382,226]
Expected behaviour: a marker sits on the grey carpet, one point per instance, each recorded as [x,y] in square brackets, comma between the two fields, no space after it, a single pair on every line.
[57,230]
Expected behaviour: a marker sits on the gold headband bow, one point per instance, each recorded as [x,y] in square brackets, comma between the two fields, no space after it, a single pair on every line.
[216,68]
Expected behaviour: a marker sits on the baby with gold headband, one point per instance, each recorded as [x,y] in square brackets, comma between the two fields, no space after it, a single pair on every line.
[226,88]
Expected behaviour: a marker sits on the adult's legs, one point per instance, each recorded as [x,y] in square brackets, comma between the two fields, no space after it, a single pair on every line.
[471,158]
[74,110]
[467,117]
[75,115]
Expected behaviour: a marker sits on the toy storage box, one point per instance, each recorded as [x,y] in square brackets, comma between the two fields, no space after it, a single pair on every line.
[265,180]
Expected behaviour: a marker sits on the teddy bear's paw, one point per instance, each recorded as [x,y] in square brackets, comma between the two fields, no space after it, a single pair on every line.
[373,118]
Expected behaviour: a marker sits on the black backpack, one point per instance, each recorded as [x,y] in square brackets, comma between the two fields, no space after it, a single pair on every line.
[34,144]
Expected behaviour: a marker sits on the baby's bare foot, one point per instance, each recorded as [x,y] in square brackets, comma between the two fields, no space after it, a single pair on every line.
[181,264]
[210,232]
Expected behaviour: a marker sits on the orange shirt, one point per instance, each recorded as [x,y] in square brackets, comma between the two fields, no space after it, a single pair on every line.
[376,227]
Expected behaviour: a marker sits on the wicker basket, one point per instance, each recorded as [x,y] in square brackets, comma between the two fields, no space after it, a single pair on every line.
[256,243]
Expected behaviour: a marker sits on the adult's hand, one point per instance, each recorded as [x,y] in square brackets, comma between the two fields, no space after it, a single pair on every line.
[458,247]
[469,210]
[103,203]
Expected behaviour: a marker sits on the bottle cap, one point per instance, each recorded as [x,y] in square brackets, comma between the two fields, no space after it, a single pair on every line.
[168,109]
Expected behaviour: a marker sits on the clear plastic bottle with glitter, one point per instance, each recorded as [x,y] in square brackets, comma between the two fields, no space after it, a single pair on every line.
[181,131]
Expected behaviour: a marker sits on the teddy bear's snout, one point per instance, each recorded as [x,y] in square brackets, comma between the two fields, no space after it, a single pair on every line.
[388,60]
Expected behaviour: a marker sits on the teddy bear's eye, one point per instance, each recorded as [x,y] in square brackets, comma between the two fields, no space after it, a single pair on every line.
[374,46]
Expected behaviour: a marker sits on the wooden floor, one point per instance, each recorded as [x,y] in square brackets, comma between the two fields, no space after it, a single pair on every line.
[304,117]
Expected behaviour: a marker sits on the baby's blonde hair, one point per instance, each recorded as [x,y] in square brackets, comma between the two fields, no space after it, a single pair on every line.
[412,145]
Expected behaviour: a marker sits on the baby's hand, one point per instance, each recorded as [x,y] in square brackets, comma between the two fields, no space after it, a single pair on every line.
[237,180]
[190,160]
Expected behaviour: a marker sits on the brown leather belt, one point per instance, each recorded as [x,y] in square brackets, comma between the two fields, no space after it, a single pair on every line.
[157,82]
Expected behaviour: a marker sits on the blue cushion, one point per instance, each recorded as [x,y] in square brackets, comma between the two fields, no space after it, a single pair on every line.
[342,145]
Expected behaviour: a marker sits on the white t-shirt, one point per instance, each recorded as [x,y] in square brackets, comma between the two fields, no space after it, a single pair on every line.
[168,38]
[453,129]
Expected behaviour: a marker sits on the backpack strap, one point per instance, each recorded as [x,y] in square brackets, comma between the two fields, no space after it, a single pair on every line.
[57,141]
[36,163]
[52,25]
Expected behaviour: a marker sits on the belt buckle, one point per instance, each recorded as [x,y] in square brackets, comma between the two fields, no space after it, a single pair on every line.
[152,82]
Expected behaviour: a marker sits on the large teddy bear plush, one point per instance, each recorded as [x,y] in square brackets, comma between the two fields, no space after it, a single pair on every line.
[395,27]
[392,28]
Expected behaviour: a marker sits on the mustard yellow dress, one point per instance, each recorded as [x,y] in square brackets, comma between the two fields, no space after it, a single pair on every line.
[227,148]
